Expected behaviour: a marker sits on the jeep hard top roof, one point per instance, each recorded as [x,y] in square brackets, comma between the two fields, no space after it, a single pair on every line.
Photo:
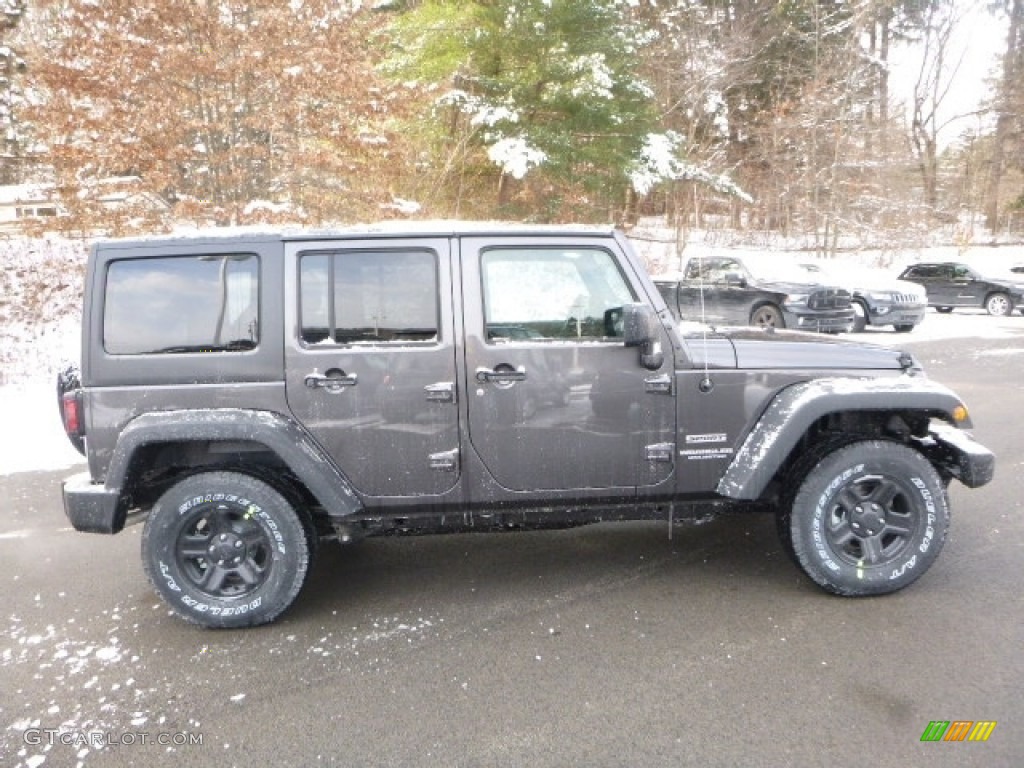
[386,229]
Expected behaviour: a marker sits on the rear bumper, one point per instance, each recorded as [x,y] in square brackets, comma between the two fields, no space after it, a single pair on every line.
[958,453]
[92,507]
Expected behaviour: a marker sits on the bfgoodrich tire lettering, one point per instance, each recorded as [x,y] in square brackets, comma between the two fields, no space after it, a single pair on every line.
[869,519]
[225,549]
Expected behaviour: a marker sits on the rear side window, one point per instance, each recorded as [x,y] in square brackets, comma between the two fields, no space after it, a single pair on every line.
[182,304]
[927,271]
[369,297]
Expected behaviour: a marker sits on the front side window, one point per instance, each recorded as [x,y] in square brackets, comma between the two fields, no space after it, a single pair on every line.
[182,304]
[369,297]
[552,293]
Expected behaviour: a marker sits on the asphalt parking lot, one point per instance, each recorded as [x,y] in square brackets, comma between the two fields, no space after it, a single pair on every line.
[609,645]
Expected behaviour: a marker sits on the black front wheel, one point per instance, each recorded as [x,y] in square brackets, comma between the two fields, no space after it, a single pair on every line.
[225,549]
[868,519]
[767,316]
[943,310]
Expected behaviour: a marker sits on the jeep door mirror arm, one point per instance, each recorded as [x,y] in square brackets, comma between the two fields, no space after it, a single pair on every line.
[640,328]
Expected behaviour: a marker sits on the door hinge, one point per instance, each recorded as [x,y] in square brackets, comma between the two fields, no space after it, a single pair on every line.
[658,385]
[661,452]
[445,461]
[442,392]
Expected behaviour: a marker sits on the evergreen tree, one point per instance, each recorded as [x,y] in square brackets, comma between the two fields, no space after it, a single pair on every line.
[540,96]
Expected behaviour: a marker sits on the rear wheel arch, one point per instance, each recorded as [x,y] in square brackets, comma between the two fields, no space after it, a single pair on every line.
[159,448]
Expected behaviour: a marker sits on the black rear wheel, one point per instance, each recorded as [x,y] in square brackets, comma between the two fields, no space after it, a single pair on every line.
[868,519]
[225,549]
[999,305]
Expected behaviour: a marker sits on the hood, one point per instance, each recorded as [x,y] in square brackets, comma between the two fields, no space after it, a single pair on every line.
[754,348]
[789,286]
[884,283]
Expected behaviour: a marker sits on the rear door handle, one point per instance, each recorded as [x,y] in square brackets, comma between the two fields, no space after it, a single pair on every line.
[501,374]
[442,392]
[334,380]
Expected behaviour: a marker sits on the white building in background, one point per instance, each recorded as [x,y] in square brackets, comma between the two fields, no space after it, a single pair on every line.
[23,204]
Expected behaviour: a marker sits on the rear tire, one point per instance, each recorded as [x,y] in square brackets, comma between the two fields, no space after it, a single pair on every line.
[999,305]
[870,518]
[225,549]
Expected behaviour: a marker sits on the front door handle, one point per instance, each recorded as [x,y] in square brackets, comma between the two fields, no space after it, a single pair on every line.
[501,374]
[334,380]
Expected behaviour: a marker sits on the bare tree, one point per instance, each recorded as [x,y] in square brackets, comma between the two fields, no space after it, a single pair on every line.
[233,110]
[1009,107]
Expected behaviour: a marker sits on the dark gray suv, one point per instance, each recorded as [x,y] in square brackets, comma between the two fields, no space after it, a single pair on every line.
[953,284]
[251,396]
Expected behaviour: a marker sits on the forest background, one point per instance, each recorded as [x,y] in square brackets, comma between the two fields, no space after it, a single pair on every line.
[760,119]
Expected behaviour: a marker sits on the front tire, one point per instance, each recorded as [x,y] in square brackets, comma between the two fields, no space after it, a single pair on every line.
[860,317]
[903,328]
[870,518]
[767,316]
[943,310]
[225,549]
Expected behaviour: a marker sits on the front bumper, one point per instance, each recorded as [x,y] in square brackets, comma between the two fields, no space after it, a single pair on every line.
[959,454]
[897,314]
[833,321]
[92,507]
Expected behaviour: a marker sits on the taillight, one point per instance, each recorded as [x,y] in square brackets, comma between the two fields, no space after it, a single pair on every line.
[71,412]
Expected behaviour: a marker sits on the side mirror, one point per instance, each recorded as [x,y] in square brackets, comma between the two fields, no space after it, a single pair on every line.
[641,328]
[735,280]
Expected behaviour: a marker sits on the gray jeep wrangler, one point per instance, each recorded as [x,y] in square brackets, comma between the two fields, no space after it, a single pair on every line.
[252,395]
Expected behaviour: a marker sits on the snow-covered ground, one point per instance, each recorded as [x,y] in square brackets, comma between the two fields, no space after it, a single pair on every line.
[40,322]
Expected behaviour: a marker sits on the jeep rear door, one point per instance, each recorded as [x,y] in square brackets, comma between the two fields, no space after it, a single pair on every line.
[370,360]
[556,402]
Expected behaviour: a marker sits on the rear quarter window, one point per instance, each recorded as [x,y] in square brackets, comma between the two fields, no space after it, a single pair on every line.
[176,304]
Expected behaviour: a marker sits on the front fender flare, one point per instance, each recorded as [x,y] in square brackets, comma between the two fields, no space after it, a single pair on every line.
[281,435]
[796,408]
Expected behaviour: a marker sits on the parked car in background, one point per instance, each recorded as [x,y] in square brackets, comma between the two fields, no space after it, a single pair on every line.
[878,299]
[954,284]
[768,291]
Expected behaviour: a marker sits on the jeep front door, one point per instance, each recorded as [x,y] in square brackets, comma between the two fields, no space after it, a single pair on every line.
[556,401]
[371,361]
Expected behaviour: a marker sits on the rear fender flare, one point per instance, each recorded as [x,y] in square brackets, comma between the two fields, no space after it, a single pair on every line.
[279,434]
